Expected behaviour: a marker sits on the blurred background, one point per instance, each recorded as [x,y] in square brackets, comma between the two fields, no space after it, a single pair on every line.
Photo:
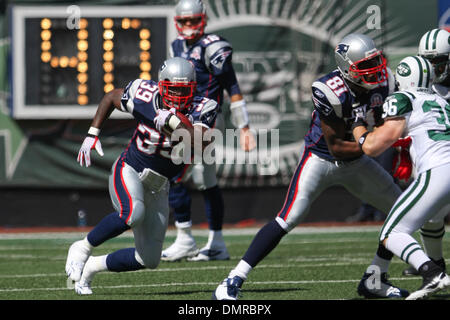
[58,58]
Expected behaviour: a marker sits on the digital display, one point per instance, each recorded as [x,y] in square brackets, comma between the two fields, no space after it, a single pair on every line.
[63,68]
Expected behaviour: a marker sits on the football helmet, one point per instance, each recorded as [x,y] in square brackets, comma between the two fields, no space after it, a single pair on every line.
[435,46]
[360,62]
[190,18]
[413,72]
[177,83]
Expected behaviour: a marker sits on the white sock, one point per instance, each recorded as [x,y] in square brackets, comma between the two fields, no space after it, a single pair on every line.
[406,248]
[214,237]
[184,231]
[94,265]
[242,270]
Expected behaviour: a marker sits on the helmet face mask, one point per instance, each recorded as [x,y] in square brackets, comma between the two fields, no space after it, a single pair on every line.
[371,70]
[441,66]
[435,46]
[190,27]
[177,83]
[360,62]
[190,19]
[176,95]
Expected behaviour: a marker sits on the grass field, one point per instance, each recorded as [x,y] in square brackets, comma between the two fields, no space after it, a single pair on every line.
[308,264]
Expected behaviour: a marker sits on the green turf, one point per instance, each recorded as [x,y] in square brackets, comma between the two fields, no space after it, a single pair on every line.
[313,266]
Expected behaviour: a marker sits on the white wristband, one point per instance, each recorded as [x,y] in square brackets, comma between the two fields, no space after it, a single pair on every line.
[174,122]
[94,131]
[239,115]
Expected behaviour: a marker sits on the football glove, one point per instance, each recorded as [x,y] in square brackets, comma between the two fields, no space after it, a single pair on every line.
[403,142]
[360,118]
[89,143]
[162,117]
[402,165]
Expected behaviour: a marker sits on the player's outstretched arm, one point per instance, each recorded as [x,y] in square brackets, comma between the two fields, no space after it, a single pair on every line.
[106,106]
[382,138]
[239,118]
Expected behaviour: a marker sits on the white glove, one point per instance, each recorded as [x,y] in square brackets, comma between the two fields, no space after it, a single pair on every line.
[84,155]
[161,117]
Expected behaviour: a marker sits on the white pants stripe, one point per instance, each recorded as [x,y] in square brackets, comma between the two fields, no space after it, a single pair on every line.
[421,201]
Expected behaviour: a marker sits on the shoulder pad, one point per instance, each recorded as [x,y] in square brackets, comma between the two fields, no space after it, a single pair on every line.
[204,111]
[129,93]
[398,104]
[134,88]
[441,90]
[209,105]
[325,100]
[216,52]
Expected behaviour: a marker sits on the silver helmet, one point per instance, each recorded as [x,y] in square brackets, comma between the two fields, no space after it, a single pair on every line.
[360,62]
[190,18]
[435,46]
[177,83]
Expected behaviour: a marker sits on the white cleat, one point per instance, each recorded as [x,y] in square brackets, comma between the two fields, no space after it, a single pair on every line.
[83,288]
[179,250]
[430,286]
[214,252]
[76,259]
[229,289]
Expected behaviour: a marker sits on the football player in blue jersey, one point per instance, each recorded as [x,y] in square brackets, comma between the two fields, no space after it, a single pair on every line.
[358,87]
[139,180]
[212,57]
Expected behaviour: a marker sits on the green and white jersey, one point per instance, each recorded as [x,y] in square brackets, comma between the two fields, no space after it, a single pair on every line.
[427,123]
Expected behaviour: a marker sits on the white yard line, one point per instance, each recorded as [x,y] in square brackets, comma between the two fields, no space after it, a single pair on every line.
[188,284]
[339,262]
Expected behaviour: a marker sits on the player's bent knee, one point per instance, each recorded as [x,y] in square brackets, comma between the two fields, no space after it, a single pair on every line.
[150,260]
[137,213]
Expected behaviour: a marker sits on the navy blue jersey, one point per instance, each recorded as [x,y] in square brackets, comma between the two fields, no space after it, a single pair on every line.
[148,147]
[334,100]
[211,55]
